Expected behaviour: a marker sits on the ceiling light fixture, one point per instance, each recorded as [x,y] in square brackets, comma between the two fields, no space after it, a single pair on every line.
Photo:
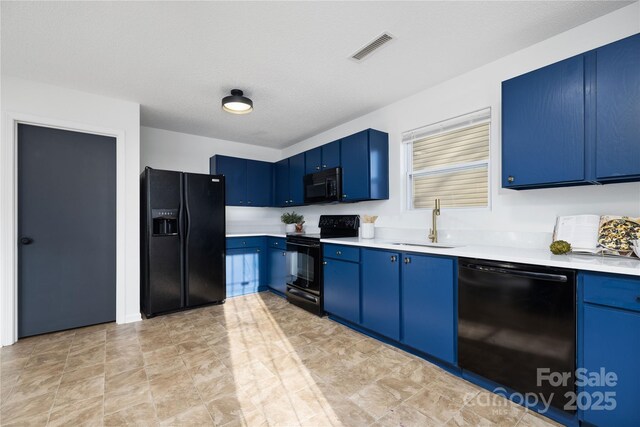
[236,103]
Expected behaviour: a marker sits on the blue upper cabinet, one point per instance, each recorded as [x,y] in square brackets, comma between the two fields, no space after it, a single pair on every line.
[331,155]
[365,172]
[259,183]
[428,305]
[326,156]
[543,140]
[281,178]
[235,173]
[238,174]
[365,166]
[289,188]
[574,122]
[618,110]
[381,292]
[296,175]
[313,160]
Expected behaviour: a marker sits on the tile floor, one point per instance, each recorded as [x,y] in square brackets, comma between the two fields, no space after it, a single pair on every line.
[254,361]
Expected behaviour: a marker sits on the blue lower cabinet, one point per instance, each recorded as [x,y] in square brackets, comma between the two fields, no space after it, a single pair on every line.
[381,292]
[246,272]
[611,342]
[278,273]
[428,305]
[342,289]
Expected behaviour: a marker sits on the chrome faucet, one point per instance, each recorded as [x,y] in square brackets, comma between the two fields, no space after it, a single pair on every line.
[433,233]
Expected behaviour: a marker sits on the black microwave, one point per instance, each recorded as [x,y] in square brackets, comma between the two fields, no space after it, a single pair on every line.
[323,187]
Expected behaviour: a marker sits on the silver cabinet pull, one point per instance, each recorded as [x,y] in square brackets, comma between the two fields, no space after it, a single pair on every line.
[407,260]
[324,262]
[317,168]
[338,252]
[394,258]
[324,166]
[510,179]
[284,254]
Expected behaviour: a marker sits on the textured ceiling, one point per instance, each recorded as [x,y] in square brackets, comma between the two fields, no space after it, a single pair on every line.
[178,59]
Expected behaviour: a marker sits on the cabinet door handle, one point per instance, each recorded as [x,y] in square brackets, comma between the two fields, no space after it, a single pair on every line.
[394,258]
[284,254]
[286,201]
[324,166]
[257,250]
[407,260]
[317,168]
[344,196]
[510,179]
[324,262]
[275,243]
[248,202]
[338,253]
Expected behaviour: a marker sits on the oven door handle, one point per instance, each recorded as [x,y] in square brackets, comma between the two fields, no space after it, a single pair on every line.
[303,245]
[520,273]
[301,295]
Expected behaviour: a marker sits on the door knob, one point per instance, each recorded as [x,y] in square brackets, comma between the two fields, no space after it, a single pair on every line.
[26,240]
[394,258]
[511,179]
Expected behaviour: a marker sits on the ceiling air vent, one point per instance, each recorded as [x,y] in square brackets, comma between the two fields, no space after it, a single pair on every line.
[376,44]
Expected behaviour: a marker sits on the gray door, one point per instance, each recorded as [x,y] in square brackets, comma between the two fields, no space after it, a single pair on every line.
[66,229]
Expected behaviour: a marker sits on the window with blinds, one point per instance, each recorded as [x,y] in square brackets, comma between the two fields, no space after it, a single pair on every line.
[449,161]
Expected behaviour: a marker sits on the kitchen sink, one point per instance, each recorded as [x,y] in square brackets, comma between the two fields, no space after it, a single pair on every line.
[426,245]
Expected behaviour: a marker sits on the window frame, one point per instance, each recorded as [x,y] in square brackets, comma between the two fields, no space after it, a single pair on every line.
[458,122]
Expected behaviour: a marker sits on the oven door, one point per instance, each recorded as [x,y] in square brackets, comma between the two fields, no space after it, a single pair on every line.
[305,265]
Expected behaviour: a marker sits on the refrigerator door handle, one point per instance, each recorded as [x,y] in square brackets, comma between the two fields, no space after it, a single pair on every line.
[185,244]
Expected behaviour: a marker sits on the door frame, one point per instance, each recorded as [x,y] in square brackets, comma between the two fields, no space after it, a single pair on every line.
[9,215]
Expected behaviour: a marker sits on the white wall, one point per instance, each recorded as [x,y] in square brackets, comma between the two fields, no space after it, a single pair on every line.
[56,104]
[163,149]
[512,211]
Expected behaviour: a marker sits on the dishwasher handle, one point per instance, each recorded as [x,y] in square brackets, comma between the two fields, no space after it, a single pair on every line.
[519,273]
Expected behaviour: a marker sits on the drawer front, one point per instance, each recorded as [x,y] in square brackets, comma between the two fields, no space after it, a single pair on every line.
[244,242]
[611,290]
[276,242]
[345,253]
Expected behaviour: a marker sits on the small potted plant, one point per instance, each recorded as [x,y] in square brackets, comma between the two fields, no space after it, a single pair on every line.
[291,219]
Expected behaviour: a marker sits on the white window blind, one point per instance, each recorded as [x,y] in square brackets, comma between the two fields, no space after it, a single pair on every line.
[449,161]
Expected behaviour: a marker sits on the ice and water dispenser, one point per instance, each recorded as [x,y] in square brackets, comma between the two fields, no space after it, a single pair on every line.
[165,222]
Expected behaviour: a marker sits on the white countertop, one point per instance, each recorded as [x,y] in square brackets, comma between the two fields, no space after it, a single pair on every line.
[282,235]
[630,266]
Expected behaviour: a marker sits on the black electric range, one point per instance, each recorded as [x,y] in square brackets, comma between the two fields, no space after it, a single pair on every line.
[305,287]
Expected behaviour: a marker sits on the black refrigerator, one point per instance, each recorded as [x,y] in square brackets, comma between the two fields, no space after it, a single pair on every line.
[183,240]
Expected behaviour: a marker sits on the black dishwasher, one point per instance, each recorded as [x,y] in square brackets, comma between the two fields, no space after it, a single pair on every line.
[514,319]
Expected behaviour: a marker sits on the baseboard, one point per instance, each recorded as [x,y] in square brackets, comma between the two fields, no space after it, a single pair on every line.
[134,317]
